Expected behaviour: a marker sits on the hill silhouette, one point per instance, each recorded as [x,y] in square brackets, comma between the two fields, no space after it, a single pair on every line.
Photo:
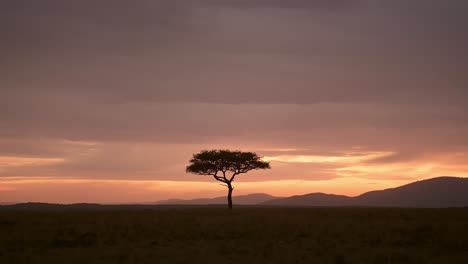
[249,199]
[432,193]
[311,199]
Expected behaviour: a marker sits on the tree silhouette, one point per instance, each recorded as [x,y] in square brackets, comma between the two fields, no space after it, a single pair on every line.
[225,165]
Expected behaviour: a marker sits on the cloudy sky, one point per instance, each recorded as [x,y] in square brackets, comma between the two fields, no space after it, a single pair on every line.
[106,101]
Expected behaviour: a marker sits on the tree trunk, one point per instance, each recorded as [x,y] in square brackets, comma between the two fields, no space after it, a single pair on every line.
[230,196]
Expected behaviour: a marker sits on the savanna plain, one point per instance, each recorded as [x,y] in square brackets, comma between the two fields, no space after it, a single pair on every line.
[243,235]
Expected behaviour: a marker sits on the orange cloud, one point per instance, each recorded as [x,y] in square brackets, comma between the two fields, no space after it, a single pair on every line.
[8,161]
[352,157]
[6,188]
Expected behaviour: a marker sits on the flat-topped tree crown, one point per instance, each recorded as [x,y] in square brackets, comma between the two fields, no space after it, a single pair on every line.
[225,165]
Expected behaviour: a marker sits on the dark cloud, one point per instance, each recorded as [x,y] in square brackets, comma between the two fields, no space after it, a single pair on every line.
[298,126]
[225,52]
[295,4]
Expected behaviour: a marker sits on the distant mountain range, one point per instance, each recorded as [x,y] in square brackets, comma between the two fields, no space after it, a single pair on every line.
[436,192]
[249,199]
[433,193]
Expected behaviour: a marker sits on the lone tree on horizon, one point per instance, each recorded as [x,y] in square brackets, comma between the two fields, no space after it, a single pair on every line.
[225,165]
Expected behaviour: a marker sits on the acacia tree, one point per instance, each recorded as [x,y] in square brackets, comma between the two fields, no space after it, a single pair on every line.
[225,165]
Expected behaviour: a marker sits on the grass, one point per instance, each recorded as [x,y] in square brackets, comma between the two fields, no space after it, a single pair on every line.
[245,235]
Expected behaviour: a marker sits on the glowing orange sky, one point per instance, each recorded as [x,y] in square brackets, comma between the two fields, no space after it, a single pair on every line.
[349,174]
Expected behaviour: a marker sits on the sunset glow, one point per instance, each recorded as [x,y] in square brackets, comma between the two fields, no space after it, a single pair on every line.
[348,175]
[6,162]
[347,158]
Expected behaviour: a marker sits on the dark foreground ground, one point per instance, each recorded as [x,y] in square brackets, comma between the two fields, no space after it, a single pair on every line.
[246,235]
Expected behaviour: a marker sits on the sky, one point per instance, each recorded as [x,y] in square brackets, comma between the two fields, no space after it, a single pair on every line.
[106,101]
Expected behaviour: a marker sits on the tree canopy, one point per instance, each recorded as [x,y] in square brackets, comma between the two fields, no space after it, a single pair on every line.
[225,165]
